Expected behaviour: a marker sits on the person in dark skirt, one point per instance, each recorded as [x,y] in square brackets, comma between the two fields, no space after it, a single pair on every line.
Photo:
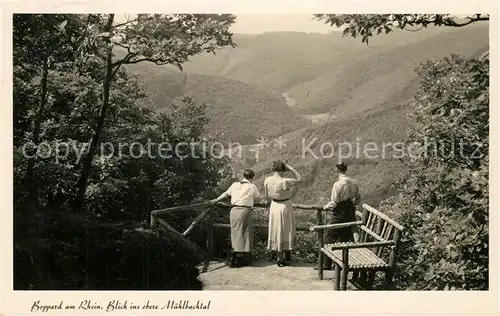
[243,195]
[342,209]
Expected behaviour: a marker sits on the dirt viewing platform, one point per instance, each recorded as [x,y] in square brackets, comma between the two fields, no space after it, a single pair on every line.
[266,275]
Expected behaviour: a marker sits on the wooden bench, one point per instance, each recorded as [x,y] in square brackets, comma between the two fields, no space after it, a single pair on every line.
[376,250]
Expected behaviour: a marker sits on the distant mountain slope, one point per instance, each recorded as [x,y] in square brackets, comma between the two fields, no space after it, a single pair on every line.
[239,111]
[375,171]
[370,80]
[163,83]
[365,89]
[376,111]
[322,72]
[280,60]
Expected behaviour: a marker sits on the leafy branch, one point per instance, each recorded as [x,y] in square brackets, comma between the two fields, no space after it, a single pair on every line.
[366,25]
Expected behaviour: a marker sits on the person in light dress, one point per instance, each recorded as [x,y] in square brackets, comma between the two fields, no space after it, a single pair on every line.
[282,231]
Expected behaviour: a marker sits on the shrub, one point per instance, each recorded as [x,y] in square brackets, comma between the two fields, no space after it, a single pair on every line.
[443,202]
[73,252]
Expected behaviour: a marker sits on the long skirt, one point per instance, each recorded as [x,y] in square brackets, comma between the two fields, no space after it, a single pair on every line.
[344,212]
[282,231]
[241,222]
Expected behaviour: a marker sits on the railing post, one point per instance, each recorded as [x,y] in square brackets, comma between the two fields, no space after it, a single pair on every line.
[154,220]
[321,241]
[210,233]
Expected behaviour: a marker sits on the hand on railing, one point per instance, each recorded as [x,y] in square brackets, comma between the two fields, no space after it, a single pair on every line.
[334,226]
[329,206]
[356,237]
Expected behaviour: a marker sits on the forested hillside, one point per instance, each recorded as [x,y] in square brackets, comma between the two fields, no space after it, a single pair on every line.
[94,101]
[330,73]
[237,112]
[367,88]
[320,73]
[382,85]
[442,195]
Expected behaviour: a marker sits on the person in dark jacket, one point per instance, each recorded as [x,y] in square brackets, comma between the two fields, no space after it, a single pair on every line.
[342,208]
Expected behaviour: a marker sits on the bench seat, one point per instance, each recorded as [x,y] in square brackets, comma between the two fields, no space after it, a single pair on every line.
[359,259]
[375,251]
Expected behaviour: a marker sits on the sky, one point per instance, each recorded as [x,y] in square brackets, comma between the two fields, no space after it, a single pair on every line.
[254,24]
[260,23]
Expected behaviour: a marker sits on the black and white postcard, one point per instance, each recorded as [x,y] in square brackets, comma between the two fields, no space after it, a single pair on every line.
[249,158]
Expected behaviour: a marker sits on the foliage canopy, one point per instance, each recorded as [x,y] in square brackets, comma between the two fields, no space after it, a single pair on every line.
[367,25]
[69,89]
[443,201]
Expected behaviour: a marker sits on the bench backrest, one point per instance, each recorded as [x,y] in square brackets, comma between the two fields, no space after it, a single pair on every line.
[377,226]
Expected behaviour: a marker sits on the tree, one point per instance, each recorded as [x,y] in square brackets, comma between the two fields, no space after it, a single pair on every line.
[158,38]
[367,25]
[41,43]
[443,199]
[105,245]
[443,202]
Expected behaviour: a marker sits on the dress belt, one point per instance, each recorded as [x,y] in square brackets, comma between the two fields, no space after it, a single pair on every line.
[277,200]
[241,206]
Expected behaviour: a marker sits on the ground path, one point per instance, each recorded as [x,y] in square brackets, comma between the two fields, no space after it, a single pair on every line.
[266,275]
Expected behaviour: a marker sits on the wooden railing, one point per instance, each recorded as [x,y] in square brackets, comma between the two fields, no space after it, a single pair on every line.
[158,223]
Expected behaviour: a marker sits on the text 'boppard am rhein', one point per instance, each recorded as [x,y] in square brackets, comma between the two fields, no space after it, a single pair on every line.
[117,305]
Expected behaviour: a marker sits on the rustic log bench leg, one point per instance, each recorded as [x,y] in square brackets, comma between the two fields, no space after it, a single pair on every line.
[321,243]
[343,278]
[370,280]
[345,269]
[388,279]
[355,276]
[362,279]
[320,264]
[336,277]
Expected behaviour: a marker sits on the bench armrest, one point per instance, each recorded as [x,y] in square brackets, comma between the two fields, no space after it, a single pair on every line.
[334,226]
[352,245]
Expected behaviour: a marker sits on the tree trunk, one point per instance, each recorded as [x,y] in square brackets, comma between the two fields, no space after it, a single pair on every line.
[36,130]
[87,162]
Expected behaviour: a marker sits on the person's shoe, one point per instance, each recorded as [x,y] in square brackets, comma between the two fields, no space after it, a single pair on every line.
[234,261]
[245,261]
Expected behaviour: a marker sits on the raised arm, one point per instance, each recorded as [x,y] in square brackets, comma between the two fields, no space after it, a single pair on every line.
[296,174]
[266,191]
